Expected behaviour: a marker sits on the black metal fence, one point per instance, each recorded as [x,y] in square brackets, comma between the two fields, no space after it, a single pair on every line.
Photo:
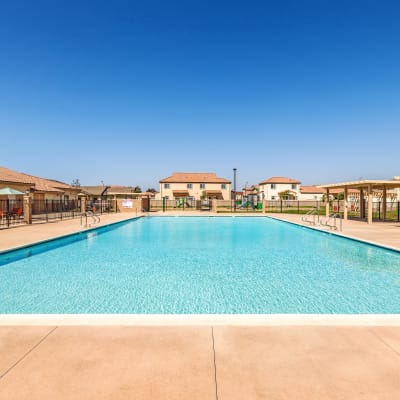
[49,210]
[11,213]
[295,206]
[102,206]
[354,208]
[181,204]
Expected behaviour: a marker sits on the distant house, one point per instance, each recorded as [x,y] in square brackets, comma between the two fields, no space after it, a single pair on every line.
[113,192]
[280,187]
[195,185]
[311,192]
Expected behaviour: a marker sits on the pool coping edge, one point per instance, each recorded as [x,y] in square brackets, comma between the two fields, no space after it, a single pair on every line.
[339,234]
[66,235]
[200,319]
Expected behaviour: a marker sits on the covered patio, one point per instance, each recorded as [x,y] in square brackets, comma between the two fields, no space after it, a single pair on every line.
[365,188]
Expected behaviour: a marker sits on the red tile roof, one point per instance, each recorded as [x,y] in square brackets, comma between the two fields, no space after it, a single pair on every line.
[279,179]
[36,183]
[311,189]
[113,190]
[194,177]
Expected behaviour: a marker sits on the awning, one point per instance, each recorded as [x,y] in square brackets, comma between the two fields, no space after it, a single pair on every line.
[215,194]
[180,193]
[10,192]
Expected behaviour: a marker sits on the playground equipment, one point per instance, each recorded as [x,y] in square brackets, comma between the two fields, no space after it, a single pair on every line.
[247,204]
[182,202]
[251,202]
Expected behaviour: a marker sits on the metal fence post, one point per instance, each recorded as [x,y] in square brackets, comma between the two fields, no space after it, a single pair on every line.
[8,212]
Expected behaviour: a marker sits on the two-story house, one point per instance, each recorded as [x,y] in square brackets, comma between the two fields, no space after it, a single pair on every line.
[195,185]
[279,187]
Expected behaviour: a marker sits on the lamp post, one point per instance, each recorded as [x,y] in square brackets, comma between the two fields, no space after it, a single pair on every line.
[234,189]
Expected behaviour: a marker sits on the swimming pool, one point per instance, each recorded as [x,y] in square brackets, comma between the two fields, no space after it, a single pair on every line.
[201,265]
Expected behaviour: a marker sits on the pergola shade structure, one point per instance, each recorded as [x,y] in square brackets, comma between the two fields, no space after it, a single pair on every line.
[364,187]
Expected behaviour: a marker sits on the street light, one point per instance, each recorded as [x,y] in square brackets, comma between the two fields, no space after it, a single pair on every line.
[234,189]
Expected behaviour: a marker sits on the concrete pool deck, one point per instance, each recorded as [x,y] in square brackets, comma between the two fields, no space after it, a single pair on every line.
[29,234]
[223,362]
[216,359]
[381,233]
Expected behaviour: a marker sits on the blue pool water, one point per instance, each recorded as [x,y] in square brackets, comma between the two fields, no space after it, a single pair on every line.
[199,265]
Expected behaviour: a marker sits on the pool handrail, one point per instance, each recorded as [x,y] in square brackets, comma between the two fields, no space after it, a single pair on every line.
[91,214]
[333,226]
[313,213]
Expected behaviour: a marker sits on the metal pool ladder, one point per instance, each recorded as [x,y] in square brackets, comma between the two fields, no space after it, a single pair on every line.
[95,219]
[330,222]
[312,217]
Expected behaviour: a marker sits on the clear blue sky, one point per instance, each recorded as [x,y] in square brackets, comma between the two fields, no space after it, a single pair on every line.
[129,91]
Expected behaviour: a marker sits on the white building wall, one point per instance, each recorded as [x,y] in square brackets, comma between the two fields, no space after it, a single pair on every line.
[271,190]
[311,196]
[196,191]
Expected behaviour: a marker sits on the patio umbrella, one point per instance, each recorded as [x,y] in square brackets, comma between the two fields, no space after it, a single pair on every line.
[9,192]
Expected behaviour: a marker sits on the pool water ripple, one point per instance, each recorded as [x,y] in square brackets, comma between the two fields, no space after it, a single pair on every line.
[197,265]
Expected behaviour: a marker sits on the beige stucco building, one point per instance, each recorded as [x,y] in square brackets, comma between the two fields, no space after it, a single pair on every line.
[195,185]
[41,188]
[279,187]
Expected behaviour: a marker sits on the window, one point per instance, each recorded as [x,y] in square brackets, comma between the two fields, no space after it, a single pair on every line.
[202,185]
[223,185]
[189,186]
[294,186]
[273,186]
[272,197]
[166,185]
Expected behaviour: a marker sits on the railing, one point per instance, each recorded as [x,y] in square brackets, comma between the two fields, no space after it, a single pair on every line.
[11,213]
[94,218]
[357,209]
[180,204]
[103,206]
[50,210]
[294,206]
[312,213]
[333,217]
[354,208]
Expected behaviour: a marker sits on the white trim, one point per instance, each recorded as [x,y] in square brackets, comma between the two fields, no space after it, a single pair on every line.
[200,319]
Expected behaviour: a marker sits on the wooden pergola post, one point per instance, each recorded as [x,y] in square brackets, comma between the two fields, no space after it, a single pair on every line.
[369,204]
[327,203]
[362,204]
[366,188]
[384,203]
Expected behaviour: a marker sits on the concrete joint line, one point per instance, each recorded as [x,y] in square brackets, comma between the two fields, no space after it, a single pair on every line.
[215,364]
[385,343]
[28,352]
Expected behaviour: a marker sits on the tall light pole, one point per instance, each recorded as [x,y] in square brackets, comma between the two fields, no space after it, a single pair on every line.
[234,189]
